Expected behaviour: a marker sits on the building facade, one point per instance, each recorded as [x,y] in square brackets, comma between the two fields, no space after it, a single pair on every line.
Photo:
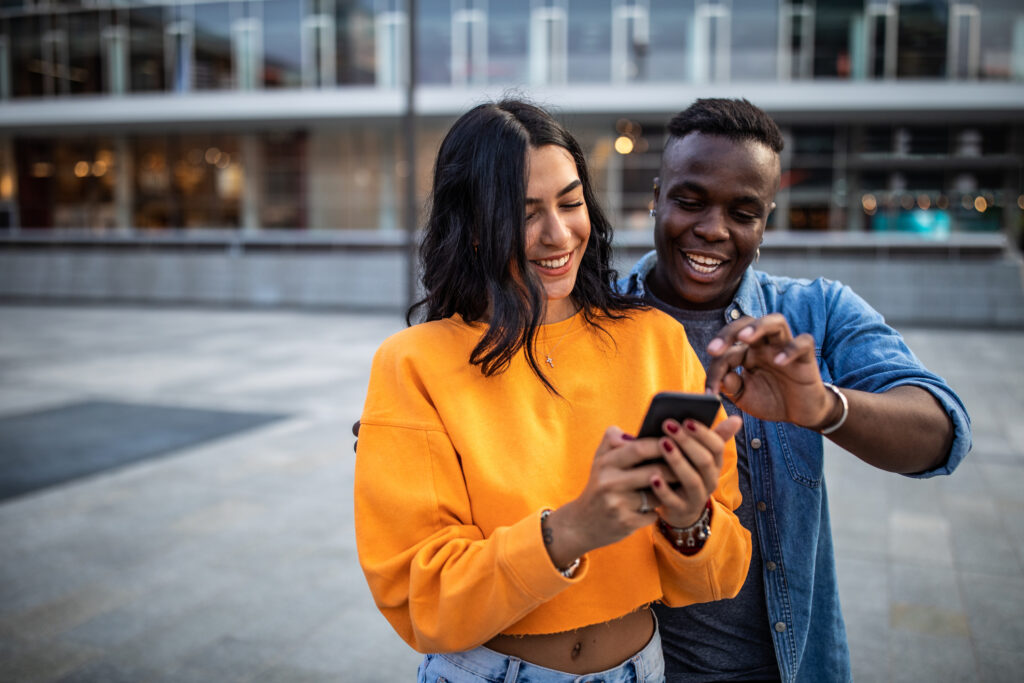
[138,118]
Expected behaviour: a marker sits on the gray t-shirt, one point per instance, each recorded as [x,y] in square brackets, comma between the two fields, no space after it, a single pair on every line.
[727,640]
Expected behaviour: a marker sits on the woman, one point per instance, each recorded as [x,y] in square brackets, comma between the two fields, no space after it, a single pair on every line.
[502,524]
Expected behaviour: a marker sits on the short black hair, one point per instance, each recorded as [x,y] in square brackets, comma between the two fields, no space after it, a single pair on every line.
[736,119]
[473,252]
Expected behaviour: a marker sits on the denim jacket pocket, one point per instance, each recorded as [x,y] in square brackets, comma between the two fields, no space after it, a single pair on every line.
[802,452]
[801,448]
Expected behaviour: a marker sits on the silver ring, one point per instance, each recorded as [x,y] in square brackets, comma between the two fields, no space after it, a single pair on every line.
[644,509]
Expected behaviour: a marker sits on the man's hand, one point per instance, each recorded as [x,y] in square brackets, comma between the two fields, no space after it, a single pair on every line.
[780,380]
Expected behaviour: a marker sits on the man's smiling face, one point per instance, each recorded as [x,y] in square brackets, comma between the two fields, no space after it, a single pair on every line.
[712,200]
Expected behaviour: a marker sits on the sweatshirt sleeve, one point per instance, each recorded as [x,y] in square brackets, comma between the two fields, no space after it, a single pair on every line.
[428,566]
[719,569]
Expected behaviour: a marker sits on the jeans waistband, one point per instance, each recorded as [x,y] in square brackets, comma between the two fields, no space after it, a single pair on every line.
[646,666]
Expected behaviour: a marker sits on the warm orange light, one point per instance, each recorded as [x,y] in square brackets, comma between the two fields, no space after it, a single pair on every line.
[99,168]
[212,155]
[6,186]
[869,202]
[924,201]
[81,169]
[980,204]
[623,145]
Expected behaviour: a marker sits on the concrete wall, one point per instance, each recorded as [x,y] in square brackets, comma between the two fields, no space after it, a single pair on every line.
[968,280]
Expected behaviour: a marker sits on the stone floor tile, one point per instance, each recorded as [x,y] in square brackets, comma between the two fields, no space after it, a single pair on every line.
[1000,666]
[995,606]
[914,658]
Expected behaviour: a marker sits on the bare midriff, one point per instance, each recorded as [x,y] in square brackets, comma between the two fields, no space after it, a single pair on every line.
[583,651]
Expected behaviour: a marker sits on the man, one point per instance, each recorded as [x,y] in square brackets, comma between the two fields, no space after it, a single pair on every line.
[784,344]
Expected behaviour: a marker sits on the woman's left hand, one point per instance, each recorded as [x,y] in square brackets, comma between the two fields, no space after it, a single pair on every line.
[694,454]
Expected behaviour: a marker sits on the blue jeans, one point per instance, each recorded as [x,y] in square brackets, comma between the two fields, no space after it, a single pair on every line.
[481,665]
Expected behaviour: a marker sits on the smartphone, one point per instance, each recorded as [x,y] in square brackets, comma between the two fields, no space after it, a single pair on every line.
[700,407]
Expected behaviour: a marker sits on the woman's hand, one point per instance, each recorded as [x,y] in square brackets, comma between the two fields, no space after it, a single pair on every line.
[618,498]
[694,455]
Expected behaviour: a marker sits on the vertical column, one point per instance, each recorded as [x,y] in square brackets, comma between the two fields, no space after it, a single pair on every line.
[252,180]
[124,185]
[783,200]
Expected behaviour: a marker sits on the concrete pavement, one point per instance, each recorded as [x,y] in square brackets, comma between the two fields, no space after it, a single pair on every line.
[234,559]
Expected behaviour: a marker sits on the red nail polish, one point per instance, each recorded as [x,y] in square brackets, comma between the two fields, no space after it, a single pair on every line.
[657,483]
[691,425]
[628,437]
[666,444]
[672,427]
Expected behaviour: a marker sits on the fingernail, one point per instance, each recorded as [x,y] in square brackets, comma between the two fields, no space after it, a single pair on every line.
[745,332]
[779,358]
[628,437]
[666,444]
[672,427]
[657,483]
[715,345]
[691,425]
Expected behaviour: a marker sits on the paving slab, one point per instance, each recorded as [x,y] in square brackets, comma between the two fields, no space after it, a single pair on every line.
[233,559]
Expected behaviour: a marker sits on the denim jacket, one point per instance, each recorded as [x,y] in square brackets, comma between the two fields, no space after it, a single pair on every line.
[855,350]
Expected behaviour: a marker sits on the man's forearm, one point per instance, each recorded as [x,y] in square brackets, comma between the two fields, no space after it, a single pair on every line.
[903,430]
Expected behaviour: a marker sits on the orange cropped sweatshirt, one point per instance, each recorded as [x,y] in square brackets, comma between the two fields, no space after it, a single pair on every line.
[453,470]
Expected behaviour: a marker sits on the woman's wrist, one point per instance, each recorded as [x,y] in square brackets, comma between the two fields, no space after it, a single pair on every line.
[559,551]
[691,538]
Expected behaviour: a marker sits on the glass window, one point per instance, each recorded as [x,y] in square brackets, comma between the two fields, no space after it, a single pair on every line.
[589,41]
[282,35]
[27,64]
[754,40]
[283,187]
[84,57]
[923,33]
[146,35]
[192,181]
[671,40]
[439,57]
[213,45]
[507,36]
[36,181]
[1002,40]
[837,28]
[355,43]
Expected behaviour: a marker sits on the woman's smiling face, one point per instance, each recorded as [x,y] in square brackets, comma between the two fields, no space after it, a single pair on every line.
[557,226]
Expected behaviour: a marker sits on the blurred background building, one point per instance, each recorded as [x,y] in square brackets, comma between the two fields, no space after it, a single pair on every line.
[239,151]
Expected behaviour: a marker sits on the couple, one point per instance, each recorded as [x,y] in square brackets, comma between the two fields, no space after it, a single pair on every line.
[506,523]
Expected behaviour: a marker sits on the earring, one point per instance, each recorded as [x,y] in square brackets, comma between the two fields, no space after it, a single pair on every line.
[757,255]
[653,213]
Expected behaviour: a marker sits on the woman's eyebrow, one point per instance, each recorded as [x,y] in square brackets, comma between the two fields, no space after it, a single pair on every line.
[564,191]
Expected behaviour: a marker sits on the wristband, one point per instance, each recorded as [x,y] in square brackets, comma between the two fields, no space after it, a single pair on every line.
[688,539]
[842,418]
[569,571]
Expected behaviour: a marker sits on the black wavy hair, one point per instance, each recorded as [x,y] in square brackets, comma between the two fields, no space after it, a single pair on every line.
[473,253]
[736,119]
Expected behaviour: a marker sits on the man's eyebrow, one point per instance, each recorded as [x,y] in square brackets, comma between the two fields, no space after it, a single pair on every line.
[564,191]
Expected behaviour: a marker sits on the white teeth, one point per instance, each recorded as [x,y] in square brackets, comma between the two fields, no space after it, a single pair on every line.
[703,264]
[553,263]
